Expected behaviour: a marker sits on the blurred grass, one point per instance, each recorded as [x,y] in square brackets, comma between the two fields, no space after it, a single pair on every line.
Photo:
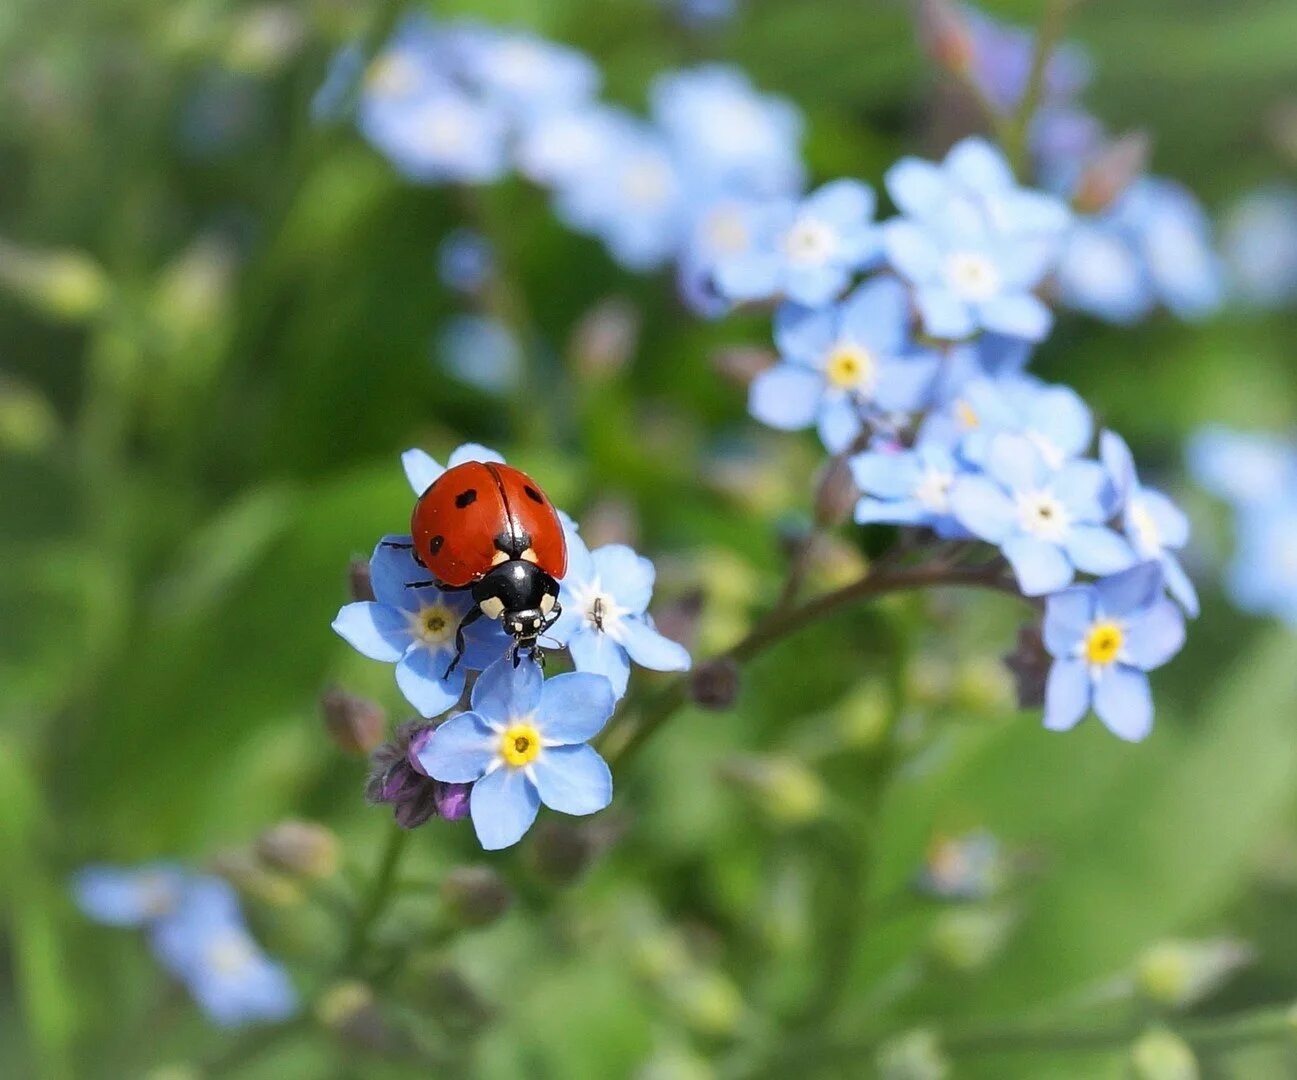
[224,436]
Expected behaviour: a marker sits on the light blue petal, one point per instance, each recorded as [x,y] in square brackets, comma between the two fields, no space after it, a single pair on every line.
[580,563]
[839,424]
[1068,617]
[650,649]
[1170,521]
[1059,414]
[1129,591]
[504,693]
[391,569]
[374,630]
[1154,636]
[420,469]
[118,896]
[460,750]
[905,384]
[786,397]
[911,251]
[1086,491]
[975,162]
[1020,315]
[1017,463]
[570,621]
[1067,695]
[595,652]
[471,451]
[573,780]
[877,315]
[944,314]
[1096,549]
[574,707]
[814,286]
[982,508]
[754,276]
[1115,454]
[889,476]
[918,188]
[503,805]
[842,202]
[804,334]
[1179,585]
[893,512]
[1123,702]
[626,575]
[1039,566]
[421,675]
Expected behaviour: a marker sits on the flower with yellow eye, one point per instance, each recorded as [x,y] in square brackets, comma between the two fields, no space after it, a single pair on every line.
[1104,638]
[523,744]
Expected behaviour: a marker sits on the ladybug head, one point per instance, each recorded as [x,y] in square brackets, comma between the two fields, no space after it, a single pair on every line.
[521,595]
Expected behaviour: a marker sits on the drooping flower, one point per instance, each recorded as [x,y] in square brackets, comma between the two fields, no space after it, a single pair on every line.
[1104,638]
[972,243]
[523,744]
[806,251]
[605,622]
[843,364]
[1154,525]
[1048,522]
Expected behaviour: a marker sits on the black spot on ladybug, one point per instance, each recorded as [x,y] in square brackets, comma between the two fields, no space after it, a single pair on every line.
[533,494]
[466,498]
[434,545]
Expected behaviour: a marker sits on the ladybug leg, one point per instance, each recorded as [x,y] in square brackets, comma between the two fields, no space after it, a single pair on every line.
[421,585]
[474,613]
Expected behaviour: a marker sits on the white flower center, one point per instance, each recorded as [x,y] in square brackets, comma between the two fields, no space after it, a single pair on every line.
[444,131]
[810,242]
[1041,514]
[726,231]
[972,276]
[600,609]
[434,625]
[933,490]
[230,953]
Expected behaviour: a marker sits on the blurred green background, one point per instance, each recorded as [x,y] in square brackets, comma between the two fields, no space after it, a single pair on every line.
[215,327]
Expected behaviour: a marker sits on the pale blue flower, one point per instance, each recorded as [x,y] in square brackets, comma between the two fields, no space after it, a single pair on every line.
[1002,58]
[524,74]
[1262,575]
[135,896]
[562,148]
[721,227]
[908,487]
[465,261]
[605,622]
[1260,246]
[1155,526]
[523,744]
[1243,467]
[844,364]
[807,251]
[1048,522]
[1104,637]
[480,351]
[443,135]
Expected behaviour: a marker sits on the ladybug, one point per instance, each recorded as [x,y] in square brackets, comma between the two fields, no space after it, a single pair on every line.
[488,527]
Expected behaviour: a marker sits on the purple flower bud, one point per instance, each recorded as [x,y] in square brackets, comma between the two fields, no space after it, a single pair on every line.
[397,778]
[835,492]
[353,723]
[1110,172]
[475,895]
[715,685]
[358,583]
[452,800]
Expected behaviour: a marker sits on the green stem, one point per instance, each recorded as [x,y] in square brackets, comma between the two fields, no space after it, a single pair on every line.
[1049,35]
[381,892]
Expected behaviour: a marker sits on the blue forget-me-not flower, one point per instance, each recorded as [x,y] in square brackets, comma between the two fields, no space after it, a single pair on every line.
[523,744]
[908,487]
[1104,638]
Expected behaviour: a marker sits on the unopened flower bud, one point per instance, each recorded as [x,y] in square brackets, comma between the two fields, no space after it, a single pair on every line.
[350,1010]
[678,617]
[242,869]
[606,338]
[475,895]
[707,1001]
[562,851]
[915,1055]
[789,792]
[715,684]
[1110,172]
[395,777]
[1182,973]
[355,724]
[970,867]
[741,364]
[446,994]
[968,938]
[1162,1055]
[945,36]
[835,493]
[981,685]
[301,848]
[1029,663]
[359,585]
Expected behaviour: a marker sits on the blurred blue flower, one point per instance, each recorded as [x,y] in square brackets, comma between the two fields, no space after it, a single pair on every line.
[1154,525]
[523,744]
[907,487]
[727,136]
[1048,522]
[806,251]
[197,932]
[342,78]
[1243,467]
[844,364]
[522,73]
[722,227]
[1262,575]
[1152,246]
[1260,246]
[605,623]
[440,135]
[465,261]
[1002,59]
[414,628]
[560,148]
[1104,637]
[703,13]
[480,351]
[972,243]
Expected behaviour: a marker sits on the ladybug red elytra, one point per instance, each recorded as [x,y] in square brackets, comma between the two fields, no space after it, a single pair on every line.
[488,527]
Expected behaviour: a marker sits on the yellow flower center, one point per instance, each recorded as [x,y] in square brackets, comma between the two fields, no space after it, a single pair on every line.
[519,745]
[966,415]
[850,367]
[434,624]
[1103,643]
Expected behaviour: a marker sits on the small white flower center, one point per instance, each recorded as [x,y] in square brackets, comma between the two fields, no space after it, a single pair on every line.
[972,276]
[851,367]
[810,242]
[230,953]
[726,231]
[1041,514]
[444,131]
[933,490]
[434,625]
[1144,528]
[600,609]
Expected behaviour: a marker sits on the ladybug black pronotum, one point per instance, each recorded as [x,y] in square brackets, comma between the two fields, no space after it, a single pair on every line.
[487,527]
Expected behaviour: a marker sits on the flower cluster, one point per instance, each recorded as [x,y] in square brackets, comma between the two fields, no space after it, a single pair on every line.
[429,770]
[1257,475]
[197,933]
